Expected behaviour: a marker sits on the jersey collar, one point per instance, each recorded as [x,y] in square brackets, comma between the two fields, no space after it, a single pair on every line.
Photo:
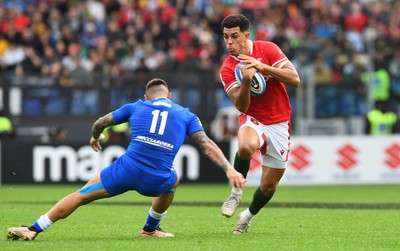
[161,98]
[251,45]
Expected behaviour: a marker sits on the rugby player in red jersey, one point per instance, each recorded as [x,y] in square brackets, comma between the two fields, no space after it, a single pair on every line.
[264,120]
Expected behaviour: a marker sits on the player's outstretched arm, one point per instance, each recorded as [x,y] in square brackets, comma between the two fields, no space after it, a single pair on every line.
[97,129]
[214,153]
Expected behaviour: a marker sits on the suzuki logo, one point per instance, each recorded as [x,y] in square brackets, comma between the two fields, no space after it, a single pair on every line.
[300,157]
[347,158]
[393,156]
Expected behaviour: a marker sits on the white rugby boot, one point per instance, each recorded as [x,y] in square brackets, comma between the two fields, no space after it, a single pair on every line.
[15,233]
[158,232]
[228,208]
[242,225]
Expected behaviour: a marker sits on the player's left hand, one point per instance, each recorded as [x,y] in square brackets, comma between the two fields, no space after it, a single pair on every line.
[237,180]
[250,62]
[95,143]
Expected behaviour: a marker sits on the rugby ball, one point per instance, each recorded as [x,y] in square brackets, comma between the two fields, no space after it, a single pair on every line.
[258,83]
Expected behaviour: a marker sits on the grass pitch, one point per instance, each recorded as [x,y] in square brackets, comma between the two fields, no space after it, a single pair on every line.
[298,218]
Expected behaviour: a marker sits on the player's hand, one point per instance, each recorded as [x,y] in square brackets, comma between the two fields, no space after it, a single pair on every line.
[247,71]
[237,180]
[95,143]
[250,62]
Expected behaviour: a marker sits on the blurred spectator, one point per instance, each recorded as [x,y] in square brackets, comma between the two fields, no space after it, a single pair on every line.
[17,20]
[68,36]
[89,36]
[13,55]
[74,18]
[296,22]
[51,63]
[379,81]
[356,19]
[69,61]
[32,63]
[55,24]
[356,39]
[114,32]
[381,120]
[131,61]
[96,9]
[337,74]
[322,73]
[61,49]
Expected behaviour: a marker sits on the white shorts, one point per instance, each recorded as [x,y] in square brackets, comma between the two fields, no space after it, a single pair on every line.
[274,141]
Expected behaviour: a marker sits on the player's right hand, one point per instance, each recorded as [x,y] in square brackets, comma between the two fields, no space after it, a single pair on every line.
[247,71]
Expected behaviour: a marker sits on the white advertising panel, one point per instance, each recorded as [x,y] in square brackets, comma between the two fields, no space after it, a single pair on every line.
[332,160]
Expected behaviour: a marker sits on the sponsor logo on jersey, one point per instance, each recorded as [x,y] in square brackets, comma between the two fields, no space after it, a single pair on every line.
[155,142]
[160,103]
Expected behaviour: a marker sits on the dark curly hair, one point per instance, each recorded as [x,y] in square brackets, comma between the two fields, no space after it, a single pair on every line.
[236,20]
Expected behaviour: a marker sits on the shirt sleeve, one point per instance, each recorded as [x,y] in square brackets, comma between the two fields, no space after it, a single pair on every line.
[122,114]
[194,124]
[228,79]
[275,54]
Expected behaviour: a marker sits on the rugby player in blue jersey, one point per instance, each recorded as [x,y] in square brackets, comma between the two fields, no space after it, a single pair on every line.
[158,128]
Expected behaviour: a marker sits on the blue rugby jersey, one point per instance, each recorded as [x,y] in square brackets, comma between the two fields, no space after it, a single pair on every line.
[158,129]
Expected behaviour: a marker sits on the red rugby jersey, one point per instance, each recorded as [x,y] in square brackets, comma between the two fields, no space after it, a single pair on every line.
[274,105]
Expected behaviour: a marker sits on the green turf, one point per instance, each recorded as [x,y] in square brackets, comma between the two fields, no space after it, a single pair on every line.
[298,218]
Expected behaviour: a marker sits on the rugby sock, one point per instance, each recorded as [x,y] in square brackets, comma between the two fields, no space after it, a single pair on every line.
[237,192]
[247,215]
[41,224]
[242,166]
[153,220]
[258,202]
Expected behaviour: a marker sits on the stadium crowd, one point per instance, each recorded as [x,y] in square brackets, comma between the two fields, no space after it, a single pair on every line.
[340,42]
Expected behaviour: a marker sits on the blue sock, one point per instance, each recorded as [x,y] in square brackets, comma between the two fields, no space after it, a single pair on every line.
[153,220]
[41,224]
[151,224]
[36,228]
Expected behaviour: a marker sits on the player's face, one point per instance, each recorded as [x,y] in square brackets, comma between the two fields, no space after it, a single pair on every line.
[235,41]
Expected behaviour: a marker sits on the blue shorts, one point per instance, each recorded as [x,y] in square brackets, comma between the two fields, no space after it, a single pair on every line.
[126,174]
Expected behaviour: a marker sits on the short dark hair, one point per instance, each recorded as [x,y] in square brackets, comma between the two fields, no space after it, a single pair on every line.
[236,20]
[156,82]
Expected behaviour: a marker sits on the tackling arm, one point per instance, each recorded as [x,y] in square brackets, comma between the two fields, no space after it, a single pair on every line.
[211,150]
[97,129]
[101,124]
